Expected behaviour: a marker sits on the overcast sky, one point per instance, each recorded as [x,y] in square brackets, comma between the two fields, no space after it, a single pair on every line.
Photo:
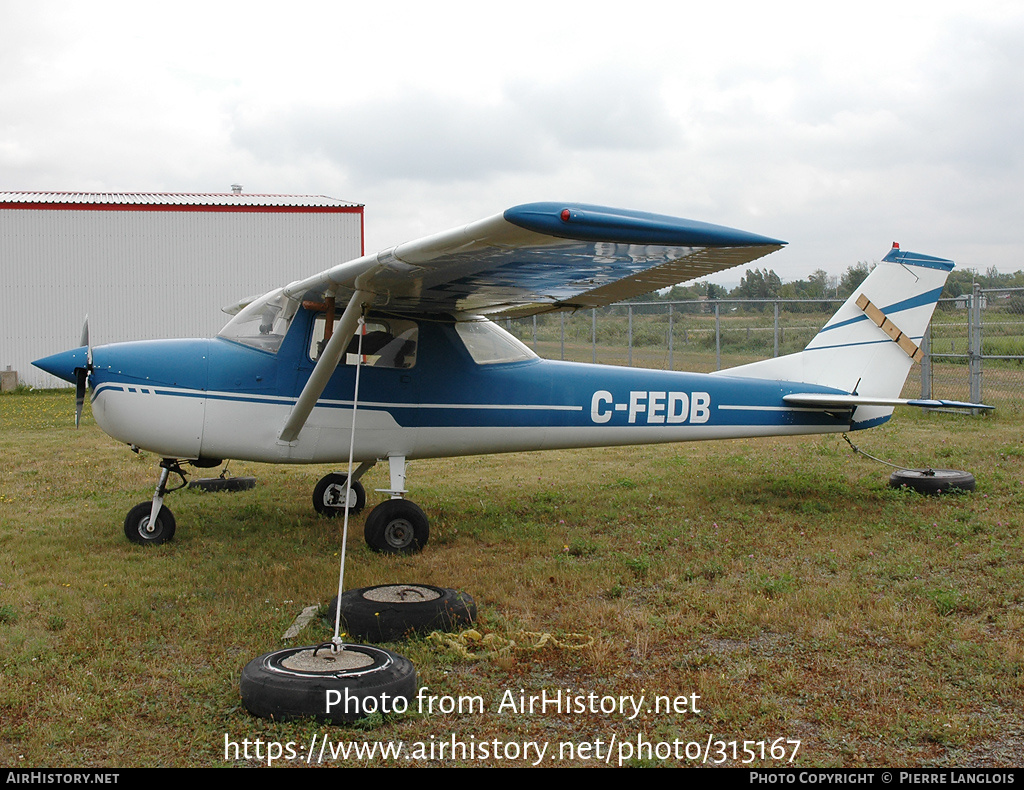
[837,127]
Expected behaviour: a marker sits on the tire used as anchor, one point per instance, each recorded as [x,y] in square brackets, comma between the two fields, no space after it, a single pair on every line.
[333,687]
[390,612]
[932,481]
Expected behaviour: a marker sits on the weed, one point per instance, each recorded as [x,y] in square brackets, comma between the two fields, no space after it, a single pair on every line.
[946,602]
[582,547]
[638,565]
[55,623]
[775,586]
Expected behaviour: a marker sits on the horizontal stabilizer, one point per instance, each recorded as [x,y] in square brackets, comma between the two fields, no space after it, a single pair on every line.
[828,401]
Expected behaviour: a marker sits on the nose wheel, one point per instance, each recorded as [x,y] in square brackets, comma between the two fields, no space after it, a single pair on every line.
[150,523]
[137,525]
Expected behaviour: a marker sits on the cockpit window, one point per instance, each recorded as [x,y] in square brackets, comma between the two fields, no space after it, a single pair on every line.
[387,342]
[264,323]
[489,344]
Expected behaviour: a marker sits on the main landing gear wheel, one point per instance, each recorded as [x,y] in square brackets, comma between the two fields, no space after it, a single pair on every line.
[338,688]
[329,496]
[389,612]
[932,481]
[397,526]
[136,525]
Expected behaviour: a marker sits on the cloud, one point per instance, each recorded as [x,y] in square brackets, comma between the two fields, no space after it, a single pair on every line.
[806,122]
[413,136]
[436,137]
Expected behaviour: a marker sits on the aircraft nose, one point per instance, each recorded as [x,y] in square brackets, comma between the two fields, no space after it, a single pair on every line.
[63,365]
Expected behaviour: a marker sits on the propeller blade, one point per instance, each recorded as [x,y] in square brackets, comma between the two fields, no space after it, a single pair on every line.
[80,376]
[85,342]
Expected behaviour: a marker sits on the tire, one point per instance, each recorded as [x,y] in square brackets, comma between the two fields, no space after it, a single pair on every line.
[223,483]
[932,481]
[390,612]
[138,519]
[295,683]
[397,526]
[330,493]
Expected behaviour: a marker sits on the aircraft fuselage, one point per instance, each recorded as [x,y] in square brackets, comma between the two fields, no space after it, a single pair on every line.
[217,399]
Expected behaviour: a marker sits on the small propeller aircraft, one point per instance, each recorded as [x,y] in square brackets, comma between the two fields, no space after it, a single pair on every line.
[393,356]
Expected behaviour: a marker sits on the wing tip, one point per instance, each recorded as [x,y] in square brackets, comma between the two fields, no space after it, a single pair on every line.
[587,222]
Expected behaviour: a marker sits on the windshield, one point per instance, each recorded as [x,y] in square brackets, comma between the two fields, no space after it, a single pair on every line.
[489,344]
[264,323]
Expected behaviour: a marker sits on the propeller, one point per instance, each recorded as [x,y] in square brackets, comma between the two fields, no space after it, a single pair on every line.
[82,374]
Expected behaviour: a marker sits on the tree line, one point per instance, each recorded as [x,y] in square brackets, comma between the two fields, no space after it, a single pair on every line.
[766,284]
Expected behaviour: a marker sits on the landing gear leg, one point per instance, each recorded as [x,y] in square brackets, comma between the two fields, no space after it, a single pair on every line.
[150,523]
[397,526]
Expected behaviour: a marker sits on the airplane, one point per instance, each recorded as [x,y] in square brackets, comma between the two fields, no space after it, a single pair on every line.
[394,356]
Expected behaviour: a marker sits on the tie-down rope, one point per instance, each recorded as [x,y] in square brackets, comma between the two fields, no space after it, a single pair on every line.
[336,643]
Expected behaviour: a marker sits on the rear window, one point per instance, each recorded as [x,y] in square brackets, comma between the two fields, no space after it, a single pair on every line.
[489,344]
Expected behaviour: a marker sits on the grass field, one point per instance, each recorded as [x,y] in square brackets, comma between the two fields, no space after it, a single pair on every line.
[778,580]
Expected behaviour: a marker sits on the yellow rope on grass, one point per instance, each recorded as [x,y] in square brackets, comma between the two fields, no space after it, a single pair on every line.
[474,646]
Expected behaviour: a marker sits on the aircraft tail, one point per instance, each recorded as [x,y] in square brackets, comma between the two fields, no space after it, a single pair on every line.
[868,347]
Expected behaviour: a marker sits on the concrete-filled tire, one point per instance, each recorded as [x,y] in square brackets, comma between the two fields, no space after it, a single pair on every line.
[390,612]
[336,688]
[932,481]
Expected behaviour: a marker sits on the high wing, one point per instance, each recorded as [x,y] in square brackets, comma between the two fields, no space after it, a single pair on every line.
[533,258]
[541,257]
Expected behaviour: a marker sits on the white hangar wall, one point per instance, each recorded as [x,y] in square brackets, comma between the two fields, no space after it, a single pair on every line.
[145,266]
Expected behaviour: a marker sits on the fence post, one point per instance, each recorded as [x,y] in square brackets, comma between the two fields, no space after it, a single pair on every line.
[593,333]
[926,363]
[629,360]
[974,341]
[670,365]
[718,339]
[775,353]
[535,332]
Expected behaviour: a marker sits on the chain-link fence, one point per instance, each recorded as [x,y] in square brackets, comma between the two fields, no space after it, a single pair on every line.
[974,349]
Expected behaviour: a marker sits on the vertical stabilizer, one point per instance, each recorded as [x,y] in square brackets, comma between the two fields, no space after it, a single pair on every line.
[868,347]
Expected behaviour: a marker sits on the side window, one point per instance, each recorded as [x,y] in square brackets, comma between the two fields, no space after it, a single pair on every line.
[387,343]
[489,344]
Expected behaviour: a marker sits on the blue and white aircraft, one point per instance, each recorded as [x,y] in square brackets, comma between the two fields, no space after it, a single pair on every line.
[392,356]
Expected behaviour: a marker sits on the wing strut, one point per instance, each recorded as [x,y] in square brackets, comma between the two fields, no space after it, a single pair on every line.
[325,366]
